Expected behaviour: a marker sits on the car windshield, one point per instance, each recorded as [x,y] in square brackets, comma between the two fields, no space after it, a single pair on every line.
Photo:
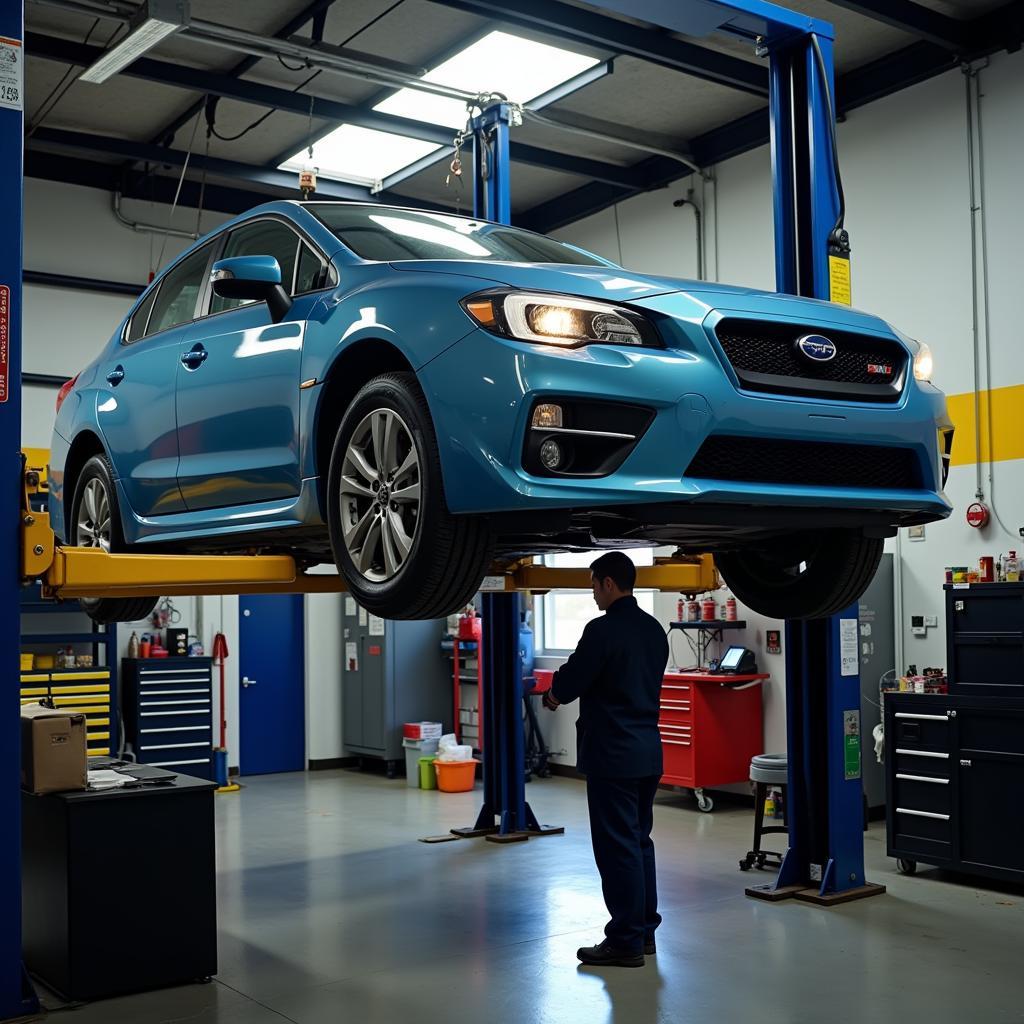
[384,233]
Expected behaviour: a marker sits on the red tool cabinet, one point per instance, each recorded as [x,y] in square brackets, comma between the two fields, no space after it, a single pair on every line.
[711,726]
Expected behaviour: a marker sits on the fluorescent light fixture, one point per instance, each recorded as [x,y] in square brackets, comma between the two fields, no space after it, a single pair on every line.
[360,155]
[518,68]
[154,21]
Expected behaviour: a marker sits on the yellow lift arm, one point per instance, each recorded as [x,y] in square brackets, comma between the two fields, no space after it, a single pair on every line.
[67,572]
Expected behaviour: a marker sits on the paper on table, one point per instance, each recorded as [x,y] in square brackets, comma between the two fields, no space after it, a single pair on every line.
[106,778]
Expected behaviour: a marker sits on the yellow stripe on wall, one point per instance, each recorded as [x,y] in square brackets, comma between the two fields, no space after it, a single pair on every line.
[1007,435]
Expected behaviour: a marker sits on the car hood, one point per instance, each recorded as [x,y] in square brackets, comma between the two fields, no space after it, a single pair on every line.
[616,284]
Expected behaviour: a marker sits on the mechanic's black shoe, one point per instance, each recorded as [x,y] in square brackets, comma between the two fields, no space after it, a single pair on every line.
[606,955]
[650,948]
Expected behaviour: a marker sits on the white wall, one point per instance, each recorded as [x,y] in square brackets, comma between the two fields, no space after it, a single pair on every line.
[905,170]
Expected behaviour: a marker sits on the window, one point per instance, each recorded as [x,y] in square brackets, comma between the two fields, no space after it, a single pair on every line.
[563,614]
[310,273]
[260,238]
[179,290]
[137,324]
[383,233]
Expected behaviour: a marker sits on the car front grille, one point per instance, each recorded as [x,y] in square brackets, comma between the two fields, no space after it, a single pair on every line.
[808,463]
[766,358]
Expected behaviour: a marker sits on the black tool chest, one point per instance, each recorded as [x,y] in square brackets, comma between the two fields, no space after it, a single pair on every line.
[985,639]
[168,713]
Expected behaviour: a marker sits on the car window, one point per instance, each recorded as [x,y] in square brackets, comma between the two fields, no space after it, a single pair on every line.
[385,233]
[179,289]
[137,324]
[310,273]
[260,238]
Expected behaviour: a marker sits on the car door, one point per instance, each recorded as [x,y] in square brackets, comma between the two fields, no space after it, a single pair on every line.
[137,416]
[238,400]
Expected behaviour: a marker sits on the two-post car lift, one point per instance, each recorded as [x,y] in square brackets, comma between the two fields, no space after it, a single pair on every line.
[825,859]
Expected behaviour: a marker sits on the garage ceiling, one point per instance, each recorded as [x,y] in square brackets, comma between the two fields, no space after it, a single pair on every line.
[132,133]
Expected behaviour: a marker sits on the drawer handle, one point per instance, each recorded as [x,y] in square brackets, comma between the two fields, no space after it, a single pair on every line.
[667,686]
[922,718]
[170,703]
[678,705]
[922,814]
[178,728]
[676,734]
[175,764]
[923,753]
[172,693]
[170,746]
[676,743]
[922,778]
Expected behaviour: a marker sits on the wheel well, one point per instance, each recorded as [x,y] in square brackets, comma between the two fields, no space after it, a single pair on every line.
[83,448]
[356,366]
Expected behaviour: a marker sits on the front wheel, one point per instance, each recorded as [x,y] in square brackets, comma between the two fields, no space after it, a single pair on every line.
[402,553]
[96,523]
[804,576]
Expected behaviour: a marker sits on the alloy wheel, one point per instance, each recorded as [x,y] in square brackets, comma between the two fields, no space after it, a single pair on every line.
[380,495]
[94,527]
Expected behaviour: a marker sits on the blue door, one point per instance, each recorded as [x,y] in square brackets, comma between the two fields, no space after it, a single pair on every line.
[272,695]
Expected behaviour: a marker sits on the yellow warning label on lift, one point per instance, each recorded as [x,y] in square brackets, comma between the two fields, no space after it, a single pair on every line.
[839,280]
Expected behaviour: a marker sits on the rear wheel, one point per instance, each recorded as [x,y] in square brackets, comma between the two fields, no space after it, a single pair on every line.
[402,553]
[807,576]
[96,523]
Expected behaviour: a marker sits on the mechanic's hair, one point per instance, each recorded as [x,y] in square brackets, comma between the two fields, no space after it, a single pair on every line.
[618,567]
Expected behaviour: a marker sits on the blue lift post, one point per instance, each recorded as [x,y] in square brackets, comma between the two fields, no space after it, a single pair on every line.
[16,995]
[505,815]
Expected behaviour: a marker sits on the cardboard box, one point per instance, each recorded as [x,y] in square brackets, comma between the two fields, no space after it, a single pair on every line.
[53,753]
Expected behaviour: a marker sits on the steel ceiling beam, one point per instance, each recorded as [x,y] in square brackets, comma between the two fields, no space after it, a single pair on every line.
[221,84]
[313,10]
[1002,28]
[621,37]
[931,26]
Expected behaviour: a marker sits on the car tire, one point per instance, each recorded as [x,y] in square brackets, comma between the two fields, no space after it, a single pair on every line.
[837,567]
[406,557]
[95,521]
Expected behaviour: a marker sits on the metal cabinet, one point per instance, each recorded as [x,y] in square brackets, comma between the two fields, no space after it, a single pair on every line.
[955,772]
[877,657]
[392,673]
[985,639]
[168,713]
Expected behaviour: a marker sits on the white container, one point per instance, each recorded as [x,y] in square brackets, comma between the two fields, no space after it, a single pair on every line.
[414,750]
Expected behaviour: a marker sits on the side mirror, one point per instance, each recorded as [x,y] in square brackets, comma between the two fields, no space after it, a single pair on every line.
[252,277]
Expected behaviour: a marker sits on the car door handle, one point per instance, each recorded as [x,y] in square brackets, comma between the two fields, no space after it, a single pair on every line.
[195,357]
[116,375]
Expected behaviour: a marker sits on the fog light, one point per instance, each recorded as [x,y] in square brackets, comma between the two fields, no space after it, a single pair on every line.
[550,454]
[547,415]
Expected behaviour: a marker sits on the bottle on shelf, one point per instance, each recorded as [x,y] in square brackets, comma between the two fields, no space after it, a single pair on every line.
[1012,568]
[133,645]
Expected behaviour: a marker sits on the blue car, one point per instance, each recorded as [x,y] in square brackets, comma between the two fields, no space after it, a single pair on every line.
[414,395]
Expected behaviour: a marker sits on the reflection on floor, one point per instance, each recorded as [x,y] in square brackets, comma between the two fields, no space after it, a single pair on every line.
[330,910]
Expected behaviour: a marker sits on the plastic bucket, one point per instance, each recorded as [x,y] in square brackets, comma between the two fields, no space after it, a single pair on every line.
[428,777]
[414,750]
[455,776]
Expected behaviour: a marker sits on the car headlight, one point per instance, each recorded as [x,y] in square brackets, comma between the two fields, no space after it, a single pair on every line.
[924,365]
[563,320]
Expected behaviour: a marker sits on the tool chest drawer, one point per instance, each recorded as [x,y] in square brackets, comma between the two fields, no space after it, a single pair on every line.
[168,708]
[710,729]
[951,786]
[80,691]
[985,639]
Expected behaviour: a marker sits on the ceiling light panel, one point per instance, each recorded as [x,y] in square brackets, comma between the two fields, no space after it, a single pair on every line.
[360,155]
[499,62]
[154,21]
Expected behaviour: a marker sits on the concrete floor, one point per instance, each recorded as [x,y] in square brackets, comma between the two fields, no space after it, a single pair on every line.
[330,910]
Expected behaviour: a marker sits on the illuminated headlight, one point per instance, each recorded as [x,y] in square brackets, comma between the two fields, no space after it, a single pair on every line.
[560,320]
[924,365]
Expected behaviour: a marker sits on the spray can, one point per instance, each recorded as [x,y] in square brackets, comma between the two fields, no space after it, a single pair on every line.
[730,609]
[692,611]
[680,610]
[707,610]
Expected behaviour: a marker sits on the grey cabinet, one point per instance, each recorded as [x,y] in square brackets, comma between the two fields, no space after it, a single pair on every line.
[392,673]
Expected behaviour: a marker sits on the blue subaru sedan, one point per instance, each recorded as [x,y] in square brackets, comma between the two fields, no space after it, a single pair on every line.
[413,395]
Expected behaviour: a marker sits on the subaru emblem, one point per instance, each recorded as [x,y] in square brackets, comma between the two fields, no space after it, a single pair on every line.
[816,347]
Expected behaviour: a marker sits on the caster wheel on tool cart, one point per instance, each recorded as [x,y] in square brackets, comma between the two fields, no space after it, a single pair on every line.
[705,803]
[746,864]
[906,867]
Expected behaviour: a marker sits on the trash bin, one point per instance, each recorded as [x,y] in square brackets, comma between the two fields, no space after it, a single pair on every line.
[455,776]
[414,750]
[428,775]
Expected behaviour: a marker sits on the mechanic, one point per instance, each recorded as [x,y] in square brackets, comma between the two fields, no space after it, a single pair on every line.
[616,672]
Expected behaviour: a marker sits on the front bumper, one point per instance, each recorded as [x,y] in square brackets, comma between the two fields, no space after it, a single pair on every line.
[482,389]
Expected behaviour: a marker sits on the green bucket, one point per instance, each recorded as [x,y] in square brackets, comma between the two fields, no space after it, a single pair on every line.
[428,775]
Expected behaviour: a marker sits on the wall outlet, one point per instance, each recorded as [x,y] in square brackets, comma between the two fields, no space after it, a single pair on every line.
[917,625]
[931,621]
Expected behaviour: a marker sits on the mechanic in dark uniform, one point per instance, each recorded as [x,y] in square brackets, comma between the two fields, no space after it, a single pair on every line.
[616,672]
